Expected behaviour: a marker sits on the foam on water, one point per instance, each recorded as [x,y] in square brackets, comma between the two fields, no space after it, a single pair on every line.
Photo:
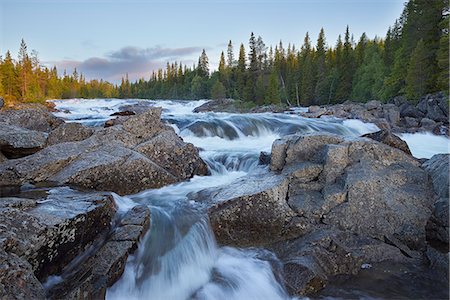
[426,144]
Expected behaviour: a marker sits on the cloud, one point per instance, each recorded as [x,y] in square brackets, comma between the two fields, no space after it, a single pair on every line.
[137,62]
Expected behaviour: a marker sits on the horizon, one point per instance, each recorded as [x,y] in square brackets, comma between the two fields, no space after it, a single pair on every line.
[137,46]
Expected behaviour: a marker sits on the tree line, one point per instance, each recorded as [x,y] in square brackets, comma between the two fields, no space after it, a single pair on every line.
[26,80]
[411,60]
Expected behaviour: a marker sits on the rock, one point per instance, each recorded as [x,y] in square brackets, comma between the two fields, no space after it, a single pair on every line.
[2,158]
[374,104]
[222,105]
[17,280]
[438,260]
[391,114]
[251,212]
[264,158]
[410,122]
[435,107]
[69,132]
[38,119]
[389,139]
[2,103]
[54,232]
[409,110]
[101,270]
[438,168]
[427,123]
[142,153]
[399,100]
[298,147]
[310,261]
[146,125]
[123,113]
[18,142]
[177,157]
[438,225]
[354,184]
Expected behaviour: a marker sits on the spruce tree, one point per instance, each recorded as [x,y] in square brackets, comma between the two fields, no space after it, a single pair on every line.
[418,72]
[320,91]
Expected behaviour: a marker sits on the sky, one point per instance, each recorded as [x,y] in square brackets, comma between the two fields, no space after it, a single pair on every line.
[109,38]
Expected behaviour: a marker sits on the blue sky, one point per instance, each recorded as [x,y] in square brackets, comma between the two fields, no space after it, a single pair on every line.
[106,39]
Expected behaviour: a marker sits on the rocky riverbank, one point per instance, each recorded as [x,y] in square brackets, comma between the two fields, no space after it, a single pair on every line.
[431,113]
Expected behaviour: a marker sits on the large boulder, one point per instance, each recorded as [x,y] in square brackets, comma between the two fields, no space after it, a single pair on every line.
[90,278]
[49,234]
[438,225]
[251,211]
[36,118]
[69,132]
[142,153]
[357,185]
[18,142]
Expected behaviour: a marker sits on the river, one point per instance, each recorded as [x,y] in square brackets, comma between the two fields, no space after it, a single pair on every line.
[179,258]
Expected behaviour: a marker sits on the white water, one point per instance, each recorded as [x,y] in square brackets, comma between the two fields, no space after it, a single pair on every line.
[178,258]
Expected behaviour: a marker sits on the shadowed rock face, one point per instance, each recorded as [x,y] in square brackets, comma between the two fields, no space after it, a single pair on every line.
[142,153]
[69,234]
[332,204]
[39,238]
[437,227]
[90,278]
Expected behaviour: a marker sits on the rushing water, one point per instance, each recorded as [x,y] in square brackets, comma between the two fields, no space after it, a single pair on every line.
[179,258]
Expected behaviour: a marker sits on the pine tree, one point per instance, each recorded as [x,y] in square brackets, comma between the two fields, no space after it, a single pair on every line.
[320,92]
[346,68]
[307,74]
[273,90]
[203,65]
[240,72]
[418,72]
[230,55]
[218,90]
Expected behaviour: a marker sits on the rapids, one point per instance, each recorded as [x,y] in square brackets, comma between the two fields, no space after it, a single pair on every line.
[178,258]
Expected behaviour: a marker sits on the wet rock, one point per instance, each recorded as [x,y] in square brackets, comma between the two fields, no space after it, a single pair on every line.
[18,142]
[38,119]
[56,230]
[20,203]
[17,280]
[69,132]
[310,261]
[251,212]
[438,225]
[389,139]
[264,158]
[101,270]
[123,113]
